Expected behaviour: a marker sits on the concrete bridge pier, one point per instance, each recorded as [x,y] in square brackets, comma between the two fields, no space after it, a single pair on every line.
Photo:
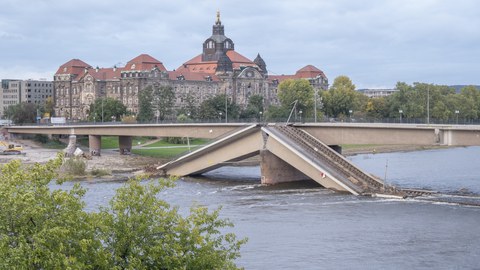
[274,170]
[337,148]
[125,145]
[94,144]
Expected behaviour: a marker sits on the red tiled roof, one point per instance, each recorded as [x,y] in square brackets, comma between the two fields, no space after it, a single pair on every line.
[191,76]
[74,66]
[306,72]
[144,62]
[197,65]
[105,74]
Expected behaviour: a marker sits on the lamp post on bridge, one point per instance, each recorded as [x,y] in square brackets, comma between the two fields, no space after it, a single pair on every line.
[400,112]
[350,115]
[456,113]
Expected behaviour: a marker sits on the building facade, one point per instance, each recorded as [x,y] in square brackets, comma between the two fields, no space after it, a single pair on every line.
[219,69]
[375,93]
[29,91]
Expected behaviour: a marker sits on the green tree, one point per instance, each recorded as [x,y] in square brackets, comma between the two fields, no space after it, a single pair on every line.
[254,108]
[214,108]
[277,113]
[106,110]
[163,99]
[190,110]
[145,108]
[301,91]
[342,98]
[41,228]
[22,113]
[48,106]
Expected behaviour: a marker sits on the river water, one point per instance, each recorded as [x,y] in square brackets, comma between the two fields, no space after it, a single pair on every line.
[303,226]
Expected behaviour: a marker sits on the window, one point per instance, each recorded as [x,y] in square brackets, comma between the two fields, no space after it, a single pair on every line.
[210,44]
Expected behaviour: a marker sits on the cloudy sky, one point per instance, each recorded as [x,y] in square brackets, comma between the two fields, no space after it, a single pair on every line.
[376,42]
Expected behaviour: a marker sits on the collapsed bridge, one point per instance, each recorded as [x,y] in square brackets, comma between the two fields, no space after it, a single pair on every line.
[287,154]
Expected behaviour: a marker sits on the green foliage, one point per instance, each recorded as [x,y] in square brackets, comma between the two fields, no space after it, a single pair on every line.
[301,90]
[175,140]
[106,110]
[145,109]
[22,113]
[99,172]
[191,106]
[214,108]
[129,119]
[42,228]
[275,113]
[341,98]
[254,108]
[155,101]
[74,166]
[48,106]
[41,138]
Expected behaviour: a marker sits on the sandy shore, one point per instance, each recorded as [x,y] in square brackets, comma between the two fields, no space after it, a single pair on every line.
[110,160]
[117,164]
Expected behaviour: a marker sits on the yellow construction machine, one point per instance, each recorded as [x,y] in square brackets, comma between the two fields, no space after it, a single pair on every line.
[10,149]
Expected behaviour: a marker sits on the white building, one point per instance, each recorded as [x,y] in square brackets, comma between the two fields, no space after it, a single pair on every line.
[374,93]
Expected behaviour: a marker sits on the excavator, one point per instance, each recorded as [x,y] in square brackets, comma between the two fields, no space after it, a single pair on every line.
[10,149]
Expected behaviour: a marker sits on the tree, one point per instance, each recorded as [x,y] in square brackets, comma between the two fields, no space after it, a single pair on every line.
[22,113]
[107,109]
[214,108]
[254,108]
[163,98]
[341,98]
[145,108]
[291,90]
[190,110]
[48,106]
[42,228]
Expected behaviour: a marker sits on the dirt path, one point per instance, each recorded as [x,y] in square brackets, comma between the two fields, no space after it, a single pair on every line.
[110,160]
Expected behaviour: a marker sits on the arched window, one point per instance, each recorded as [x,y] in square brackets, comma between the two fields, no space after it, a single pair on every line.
[210,44]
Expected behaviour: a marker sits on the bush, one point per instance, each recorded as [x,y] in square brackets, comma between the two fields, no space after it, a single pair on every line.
[99,172]
[175,140]
[44,228]
[41,138]
[74,166]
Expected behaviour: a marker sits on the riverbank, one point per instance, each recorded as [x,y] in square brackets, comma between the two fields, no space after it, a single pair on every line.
[123,165]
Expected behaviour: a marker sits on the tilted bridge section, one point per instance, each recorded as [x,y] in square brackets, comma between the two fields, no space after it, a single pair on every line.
[287,154]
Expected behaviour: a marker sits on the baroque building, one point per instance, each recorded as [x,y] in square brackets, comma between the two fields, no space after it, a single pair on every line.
[219,69]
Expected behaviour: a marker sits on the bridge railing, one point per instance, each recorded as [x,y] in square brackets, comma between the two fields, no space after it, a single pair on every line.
[455,121]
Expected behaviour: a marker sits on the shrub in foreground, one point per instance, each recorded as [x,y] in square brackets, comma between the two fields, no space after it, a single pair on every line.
[42,228]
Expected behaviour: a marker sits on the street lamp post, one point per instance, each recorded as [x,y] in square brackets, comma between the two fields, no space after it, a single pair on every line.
[226,106]
[350,114]
[261,114]
[300,112]
[400,112]
[428,105]
[456,113]
[220,113]
[315,107]
[157,114]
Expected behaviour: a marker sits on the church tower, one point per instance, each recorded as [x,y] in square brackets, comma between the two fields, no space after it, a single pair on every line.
[217,44]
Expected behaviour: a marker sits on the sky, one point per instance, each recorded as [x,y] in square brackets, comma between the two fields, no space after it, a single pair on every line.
[376,43]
